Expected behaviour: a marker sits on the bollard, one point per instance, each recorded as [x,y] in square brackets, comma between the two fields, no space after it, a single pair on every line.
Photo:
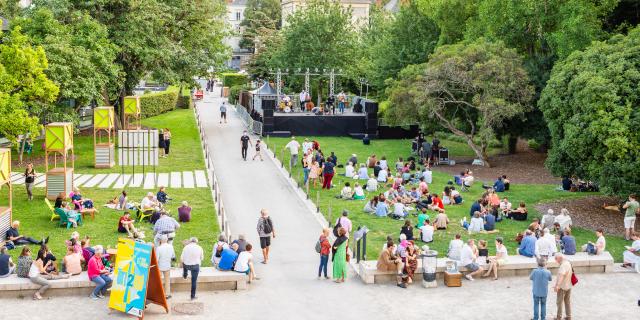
[330,214]
[301,182]
[318,201]
[274,151]
[307,189]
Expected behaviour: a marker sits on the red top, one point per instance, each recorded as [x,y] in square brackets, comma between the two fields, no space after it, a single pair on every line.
[325,246]
[437,202]
[94,267]
[123,219]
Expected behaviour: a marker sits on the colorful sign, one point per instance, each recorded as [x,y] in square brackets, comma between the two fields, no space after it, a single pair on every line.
[135,271]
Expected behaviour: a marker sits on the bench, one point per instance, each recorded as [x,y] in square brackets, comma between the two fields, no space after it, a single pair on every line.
[209,279]
[515,266]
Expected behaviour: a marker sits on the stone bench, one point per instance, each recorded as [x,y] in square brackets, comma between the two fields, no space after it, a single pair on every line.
[209,279]
[515,266]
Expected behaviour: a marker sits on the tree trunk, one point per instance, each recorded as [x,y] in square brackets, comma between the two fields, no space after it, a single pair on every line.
[22,144]
[481,151]
[485,156]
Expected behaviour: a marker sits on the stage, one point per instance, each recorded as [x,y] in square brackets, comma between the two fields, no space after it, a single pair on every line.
[309,124]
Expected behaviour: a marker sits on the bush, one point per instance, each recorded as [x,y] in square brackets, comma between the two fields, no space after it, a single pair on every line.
[185,102]
[154,104]
[234,93]
[233,79]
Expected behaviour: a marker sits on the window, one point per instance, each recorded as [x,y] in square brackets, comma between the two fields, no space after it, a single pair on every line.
[238,15]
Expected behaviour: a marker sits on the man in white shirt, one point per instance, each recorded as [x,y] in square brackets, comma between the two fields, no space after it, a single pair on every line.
[191,258]
[349,170]
[244,263]
[306,146]
[546,245]
[293,147]
[383,175]
[426,231]
[372,184]
[148,203]
[467,180]
[427,175]
[468,260]
[165,253]
[455,247]
[399,209]
[303,99]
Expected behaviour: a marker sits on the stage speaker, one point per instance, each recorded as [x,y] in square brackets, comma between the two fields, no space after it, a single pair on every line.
[268,105]
[371,107]
[267,128]
[267,113]
[372,123]
[268,121]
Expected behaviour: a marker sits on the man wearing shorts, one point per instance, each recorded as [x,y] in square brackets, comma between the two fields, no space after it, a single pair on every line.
[223,112]
[265,231]
[245,141]
[467,259]
[631,207]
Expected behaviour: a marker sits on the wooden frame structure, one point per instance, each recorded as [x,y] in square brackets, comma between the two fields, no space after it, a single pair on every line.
[5,180]
[59,142]
[104,129]
[131,114]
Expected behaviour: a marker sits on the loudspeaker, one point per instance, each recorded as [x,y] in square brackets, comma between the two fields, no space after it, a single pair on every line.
[268,121]
[371,107]
[267,128]
[372,123]
[268,105]
[267,113]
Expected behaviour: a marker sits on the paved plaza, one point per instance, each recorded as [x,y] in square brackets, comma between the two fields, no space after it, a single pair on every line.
[288,288]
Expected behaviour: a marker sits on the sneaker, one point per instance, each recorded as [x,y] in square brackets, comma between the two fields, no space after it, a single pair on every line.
[469,277]
[93,297]
[402,285]
[100,296]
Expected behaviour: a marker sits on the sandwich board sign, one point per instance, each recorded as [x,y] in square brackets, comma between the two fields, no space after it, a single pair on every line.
[136,279]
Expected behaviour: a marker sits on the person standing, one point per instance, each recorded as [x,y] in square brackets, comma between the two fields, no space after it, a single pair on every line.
[245,141]
[341,101]
[325,248]
[161,141]
[167,141]
[265,232]
[339,248]
[563,286]
[327,173]
[191,259]
[29,179]
[540,279]
[631,207]
[293,147]
[258,152]
[223,112]
[165,253]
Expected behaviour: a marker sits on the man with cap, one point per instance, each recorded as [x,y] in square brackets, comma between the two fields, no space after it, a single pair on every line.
[191,259]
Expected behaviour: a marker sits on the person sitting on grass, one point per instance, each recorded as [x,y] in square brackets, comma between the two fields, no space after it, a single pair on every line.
[498,185]
[370,206]
[125,225]
[73,262]
[372,161]
[422,216]
[376,169]
[455,248]
[362,172]
[184,212]
[505,207]
[596,248]
[389,261]
[423,186]
[349,170]
[468,260]
[506,182]
[399,209]
[358,192]
[441,220]
[436,203]
[519,214]
[383,176]
[228,258]
[13,235]
[162,196]
[426,231]
[347,192]
[476,225]
[372,184]
[382,209]
[489,222]
[391,193]
[407,230]
[244,263]
[527,246]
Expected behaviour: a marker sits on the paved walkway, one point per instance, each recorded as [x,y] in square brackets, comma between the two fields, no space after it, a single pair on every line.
[288,288]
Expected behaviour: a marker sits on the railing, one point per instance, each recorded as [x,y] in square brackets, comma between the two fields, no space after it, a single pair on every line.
[216,193]
[252,125]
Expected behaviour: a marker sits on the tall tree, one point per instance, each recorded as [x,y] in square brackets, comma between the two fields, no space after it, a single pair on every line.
[591,106]
[471,89]
[260,17]
[450,15]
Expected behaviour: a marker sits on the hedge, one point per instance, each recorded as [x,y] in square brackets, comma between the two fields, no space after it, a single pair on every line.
[184,98]
[233,79]
[234,93]
[154,104]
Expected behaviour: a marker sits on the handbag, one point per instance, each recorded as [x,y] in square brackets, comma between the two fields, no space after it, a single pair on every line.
[574,278]
[337,227]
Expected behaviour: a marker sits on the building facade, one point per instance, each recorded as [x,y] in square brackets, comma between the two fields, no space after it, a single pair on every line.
[235,15]
[359,9]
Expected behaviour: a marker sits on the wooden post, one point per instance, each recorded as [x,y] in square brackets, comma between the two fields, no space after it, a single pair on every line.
[318,201]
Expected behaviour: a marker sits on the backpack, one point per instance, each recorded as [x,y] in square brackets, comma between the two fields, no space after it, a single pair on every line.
[591,249]
[318,246]
[266,226]
[337,227]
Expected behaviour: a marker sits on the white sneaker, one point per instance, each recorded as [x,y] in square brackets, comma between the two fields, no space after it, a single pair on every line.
[469,277]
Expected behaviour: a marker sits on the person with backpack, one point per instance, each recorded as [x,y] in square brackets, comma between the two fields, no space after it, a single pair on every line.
[323,247]
[265,232]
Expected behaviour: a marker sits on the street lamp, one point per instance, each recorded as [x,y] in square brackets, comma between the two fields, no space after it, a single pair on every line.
[429,267]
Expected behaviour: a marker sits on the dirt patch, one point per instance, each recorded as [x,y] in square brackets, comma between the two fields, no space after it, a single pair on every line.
[520,168]
[589,213]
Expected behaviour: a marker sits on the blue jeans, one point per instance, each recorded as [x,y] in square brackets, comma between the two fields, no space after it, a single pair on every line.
[102,282]
[195,270]
[306,174]
[324,262]
[341,107]
[542,302]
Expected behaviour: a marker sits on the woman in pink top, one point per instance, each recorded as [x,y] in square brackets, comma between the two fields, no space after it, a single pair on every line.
[98,274]
[73,262]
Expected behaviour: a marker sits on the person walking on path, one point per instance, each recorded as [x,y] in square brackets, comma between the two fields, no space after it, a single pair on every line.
[325,248]
[245,141]
[339,248]
[345,222]
[631,207]
[327,173]
[265,232]
[563,286]
[191,258]
[540,279]
[223,112]
[165,253]
[29,179]
[258,151]
[167,141]
[293,147]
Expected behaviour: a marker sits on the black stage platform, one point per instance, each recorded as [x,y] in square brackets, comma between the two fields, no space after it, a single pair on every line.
[309,124]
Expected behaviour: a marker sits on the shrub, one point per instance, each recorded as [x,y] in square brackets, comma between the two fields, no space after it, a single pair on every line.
[233,79]
[234,93]
[154,104]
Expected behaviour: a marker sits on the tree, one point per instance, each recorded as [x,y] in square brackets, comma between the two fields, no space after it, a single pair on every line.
[320,36]
[398,41]
[470,89]
[260,17]
[450,15]
[23,83]
[591,106]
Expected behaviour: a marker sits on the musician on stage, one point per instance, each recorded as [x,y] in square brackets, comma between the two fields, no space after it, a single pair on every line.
[341,101]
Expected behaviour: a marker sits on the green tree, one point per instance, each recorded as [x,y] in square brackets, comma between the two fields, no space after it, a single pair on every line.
[23,84]
[591,106]
[450,16]
[260,17]
[470,89]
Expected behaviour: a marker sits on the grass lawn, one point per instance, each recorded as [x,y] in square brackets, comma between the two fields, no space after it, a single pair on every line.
[381,227]
[184,141]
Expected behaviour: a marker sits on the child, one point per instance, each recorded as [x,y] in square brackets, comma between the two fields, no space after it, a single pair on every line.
[258,153]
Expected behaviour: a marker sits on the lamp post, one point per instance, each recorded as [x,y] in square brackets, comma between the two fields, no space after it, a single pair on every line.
[429,267]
